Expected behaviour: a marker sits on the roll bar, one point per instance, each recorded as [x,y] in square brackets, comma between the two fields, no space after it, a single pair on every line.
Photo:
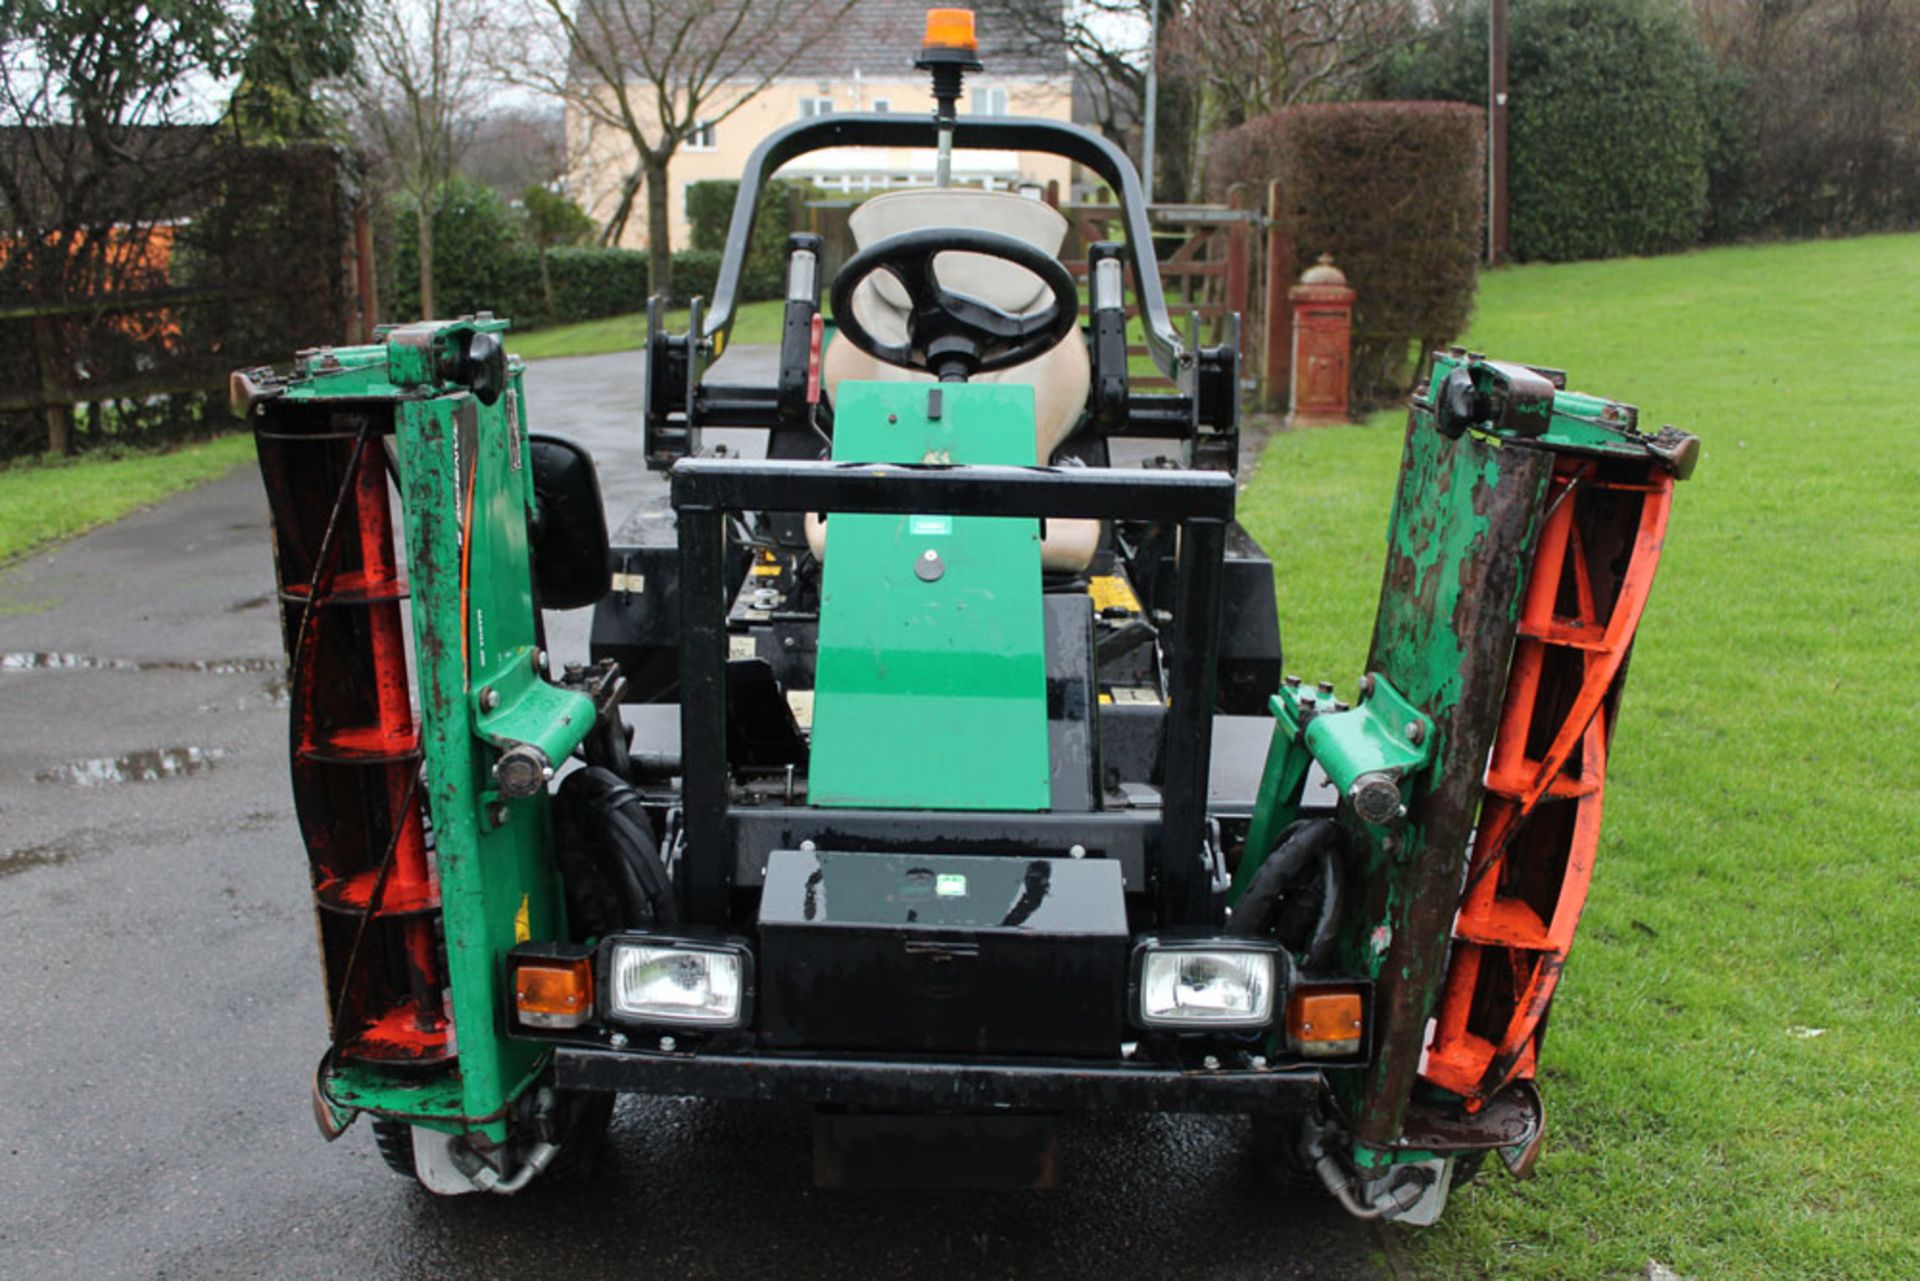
[979,133]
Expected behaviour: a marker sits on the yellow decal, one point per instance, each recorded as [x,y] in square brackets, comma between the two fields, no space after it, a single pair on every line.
[1110,591]
[522,929]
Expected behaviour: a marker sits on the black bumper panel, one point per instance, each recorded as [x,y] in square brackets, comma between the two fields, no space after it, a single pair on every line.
[936,1085]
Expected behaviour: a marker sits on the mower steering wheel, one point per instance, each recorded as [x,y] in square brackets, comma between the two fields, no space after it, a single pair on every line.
[954,335]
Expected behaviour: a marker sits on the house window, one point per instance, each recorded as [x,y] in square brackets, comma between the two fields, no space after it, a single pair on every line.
[703,137]
[811,107]
[989,102]
[883,105]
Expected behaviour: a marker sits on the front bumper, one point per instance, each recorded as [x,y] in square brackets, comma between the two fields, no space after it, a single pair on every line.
[936,1084]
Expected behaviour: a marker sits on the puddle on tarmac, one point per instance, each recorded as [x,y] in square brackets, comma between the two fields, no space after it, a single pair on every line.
[276,692]
[24,662]
[135,767]
[35,856]
[43,660]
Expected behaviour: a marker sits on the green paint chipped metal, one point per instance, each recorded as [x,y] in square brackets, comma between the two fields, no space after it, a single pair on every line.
[466,482]
[1384,735]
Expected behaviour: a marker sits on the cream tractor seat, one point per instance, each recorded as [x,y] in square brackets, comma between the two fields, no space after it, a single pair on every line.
[1061,376]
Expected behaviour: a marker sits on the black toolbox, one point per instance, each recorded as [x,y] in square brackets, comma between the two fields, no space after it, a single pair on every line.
[989,954]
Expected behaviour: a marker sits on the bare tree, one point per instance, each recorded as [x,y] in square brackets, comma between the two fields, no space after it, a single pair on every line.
[1108,46]
[654,72]
[1252,57]
[519,145]
[1818,112]
[99,132]
[1105,43]
[417,101]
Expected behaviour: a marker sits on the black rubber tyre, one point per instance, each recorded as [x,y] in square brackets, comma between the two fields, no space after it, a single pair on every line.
[586,1116]
[585,1131]
[1276,1150]
[395,1141]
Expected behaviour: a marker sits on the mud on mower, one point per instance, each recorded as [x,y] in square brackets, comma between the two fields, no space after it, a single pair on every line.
[930,768]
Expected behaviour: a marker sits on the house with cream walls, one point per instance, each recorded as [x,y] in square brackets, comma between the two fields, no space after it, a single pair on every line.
[866,66]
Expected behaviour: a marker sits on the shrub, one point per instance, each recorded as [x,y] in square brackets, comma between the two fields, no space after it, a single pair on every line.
[1817,116]
[710,211]
[589,283]
[482,262]
[475,234]
[695,272]
[1608,120]
[1394,191]
[552,219]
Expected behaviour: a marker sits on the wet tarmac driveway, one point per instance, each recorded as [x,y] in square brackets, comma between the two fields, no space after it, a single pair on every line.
[160,1007]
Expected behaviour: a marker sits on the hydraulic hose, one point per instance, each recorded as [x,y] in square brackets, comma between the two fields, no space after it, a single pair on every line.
[1301,846]
[611,816]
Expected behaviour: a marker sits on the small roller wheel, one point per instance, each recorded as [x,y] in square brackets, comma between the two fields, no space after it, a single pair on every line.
[586,1115]
[583,1121]
[394,1139]
[1276,1150]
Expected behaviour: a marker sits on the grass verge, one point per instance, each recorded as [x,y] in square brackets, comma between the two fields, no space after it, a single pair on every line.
[756,322]
[1734,1066]
[42,502]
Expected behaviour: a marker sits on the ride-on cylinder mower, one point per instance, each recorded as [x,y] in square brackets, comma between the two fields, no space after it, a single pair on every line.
[928,766]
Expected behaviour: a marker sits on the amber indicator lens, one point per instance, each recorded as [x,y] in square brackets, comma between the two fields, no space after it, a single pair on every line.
[553,994]
[1326,1022]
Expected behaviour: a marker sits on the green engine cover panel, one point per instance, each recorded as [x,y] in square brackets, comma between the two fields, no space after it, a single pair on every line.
[931,684]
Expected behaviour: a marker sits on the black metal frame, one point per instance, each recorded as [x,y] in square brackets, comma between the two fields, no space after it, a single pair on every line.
[982,133]
[1207,378]
[909,1085]
[705,490]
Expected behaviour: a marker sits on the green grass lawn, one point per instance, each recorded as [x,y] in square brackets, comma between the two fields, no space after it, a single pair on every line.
[1733,1075]
[41,502]
[755,322]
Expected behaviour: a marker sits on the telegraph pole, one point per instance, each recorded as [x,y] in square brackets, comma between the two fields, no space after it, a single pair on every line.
[1497,251]
[1152,105]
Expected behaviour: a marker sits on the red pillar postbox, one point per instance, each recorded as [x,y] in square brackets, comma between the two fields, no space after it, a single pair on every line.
[1322,330]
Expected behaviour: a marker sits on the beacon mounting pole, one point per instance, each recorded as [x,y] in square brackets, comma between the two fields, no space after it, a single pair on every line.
[949,51]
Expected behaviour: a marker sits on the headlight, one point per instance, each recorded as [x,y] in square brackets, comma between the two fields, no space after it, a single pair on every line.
[1206,984]
[679,982]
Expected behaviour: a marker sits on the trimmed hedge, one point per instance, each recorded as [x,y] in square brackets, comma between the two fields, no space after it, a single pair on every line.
[1394,191]
[694,273]
[710,211]
[588,283]
[482,262]
[475,234]
[1610,120]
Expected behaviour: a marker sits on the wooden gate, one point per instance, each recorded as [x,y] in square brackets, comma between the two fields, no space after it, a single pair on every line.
[1206,268]
[1213,262]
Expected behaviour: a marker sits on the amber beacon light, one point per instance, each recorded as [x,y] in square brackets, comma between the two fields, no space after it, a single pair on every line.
[950,29]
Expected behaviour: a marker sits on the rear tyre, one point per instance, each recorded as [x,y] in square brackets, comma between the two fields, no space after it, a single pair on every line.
[394,1139]
[583,1120]
[586,1116]
[1276,1150]
[1466,1168]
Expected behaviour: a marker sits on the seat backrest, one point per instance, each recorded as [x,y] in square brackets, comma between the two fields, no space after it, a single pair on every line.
[1006,286]
[1061,377]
